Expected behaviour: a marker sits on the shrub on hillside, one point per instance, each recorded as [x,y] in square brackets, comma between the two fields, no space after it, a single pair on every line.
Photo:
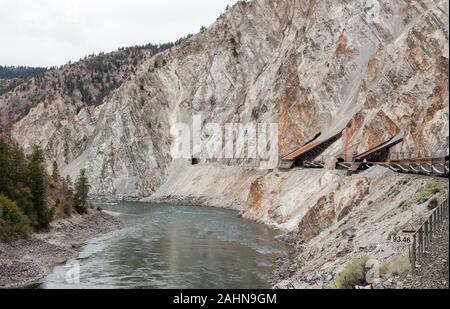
[353,274]
[13,221]
[395,266]
[424,194]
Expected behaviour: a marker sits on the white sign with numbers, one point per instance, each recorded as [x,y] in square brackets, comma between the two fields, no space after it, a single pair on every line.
[403,239]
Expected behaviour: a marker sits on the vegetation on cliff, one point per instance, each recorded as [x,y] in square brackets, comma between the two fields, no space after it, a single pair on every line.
[10,72]
[29,198]
[11,76]
[84,83]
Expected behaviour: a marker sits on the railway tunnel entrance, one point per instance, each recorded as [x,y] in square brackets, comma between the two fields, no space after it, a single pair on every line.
[305,155]
[380,153]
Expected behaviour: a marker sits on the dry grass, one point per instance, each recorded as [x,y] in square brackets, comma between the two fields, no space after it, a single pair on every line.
[352,275]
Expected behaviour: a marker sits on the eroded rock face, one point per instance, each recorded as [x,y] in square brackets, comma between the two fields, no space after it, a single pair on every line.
[411,68]
[321,216]
[371,67]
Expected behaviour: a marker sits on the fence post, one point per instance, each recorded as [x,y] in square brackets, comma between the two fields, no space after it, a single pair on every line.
[446,209]
[442,212]
[430,231]
[435,222]
[426,236]
[439,215]
[413,253]
[420,243]
[430,220]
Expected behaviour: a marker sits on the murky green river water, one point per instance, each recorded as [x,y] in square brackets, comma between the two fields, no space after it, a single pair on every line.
[163,246]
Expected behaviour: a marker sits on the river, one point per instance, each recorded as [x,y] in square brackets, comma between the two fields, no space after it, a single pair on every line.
[165,246]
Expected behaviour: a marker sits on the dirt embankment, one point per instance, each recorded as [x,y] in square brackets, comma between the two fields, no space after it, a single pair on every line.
[26,261]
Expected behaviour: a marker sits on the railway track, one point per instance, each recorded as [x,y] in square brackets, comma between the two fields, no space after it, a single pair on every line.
[428,169]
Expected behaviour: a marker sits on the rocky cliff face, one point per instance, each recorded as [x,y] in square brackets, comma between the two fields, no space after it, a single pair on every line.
[371,67]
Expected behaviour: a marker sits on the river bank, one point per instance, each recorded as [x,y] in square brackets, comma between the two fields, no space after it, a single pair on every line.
[26,261]
[161,246]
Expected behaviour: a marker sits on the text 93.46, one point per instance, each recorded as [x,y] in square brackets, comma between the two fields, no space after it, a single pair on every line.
[402,239]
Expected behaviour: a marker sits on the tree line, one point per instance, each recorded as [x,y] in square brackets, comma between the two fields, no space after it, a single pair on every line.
[23,72]
[29,197]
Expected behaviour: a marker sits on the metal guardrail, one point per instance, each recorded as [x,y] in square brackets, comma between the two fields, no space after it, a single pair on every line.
[423,238]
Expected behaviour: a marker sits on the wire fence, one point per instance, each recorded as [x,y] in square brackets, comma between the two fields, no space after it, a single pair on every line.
[423,238]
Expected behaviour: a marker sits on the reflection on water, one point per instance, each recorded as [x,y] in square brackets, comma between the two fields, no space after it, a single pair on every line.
[163,246]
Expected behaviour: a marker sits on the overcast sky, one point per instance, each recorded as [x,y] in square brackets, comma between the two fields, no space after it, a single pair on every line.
[52,32]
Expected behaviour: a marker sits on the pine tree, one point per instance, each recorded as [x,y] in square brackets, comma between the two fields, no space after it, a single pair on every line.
[81,193]
[17,166]
[18,190]
[4,166]
[68,182]
[55,171]
[36,182]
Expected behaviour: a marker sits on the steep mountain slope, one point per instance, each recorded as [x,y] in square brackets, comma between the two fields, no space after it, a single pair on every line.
[7,85]
[372,67]
[11,72]
[11,77]
[82,84]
